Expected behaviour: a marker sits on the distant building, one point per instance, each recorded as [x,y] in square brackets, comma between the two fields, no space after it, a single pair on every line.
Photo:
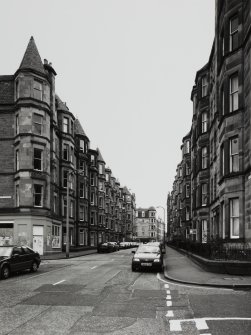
[147,227]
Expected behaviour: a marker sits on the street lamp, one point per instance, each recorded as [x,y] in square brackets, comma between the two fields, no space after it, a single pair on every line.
[69,181]
[164,211]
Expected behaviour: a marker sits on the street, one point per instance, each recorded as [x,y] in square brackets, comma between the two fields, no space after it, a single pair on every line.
[99,293]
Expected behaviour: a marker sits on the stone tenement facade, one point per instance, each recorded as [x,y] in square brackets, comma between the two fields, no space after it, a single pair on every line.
[214,196]
[147,226]
[48,171]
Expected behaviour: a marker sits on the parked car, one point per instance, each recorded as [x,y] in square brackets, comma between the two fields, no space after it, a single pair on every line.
[147,257]
[17,258]
[115,246]
[106,247]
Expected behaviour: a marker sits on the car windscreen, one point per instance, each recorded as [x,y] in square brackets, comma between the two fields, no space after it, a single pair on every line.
[148,249]
[5,251]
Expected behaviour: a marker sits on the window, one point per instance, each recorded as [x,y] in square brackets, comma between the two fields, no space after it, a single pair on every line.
[81,236]
[143,214]
[222,160]
[204,122]
[37,89]
[100,202]
[92,179]
[187,147]
[92,160]
[81,190]
[66,152]
[92,218]
[81,165]
[222,97]
[204,231]
[56,234]
[72,127]
[101,186]
[194,104]
[38,159]
[223,219]
[17,89]
[187,169]
[92,198]
[81,145]
[100,168]
[204,157]
[65,125]
[187,190]
[37,124]
[187,213]
[17,124]
[107,177]
[204,194]
[17,160]
[204,86]
[234,217]
[71,209]
[17,196]
[65,178]
[233,37]
[72,155]
[64,207]
[233,93]
[234,155]
[38,195]
[55,197]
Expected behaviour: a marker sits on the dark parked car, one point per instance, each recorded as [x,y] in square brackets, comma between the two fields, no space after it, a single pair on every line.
[147,257]
[106,247]
[16,258]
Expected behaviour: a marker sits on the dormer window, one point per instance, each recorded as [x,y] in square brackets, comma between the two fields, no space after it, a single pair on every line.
[233,37]
[65,125]
[204,85]
[82,146]
[37,89]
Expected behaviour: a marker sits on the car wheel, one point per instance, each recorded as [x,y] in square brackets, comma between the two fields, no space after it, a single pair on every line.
[5,273]
[34,267]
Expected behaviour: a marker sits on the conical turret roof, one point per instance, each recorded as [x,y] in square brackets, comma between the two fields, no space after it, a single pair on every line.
[78,128]
[32,59]
[100,158]
[61,105]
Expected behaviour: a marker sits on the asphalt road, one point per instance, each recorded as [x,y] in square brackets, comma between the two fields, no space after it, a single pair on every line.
[98,294]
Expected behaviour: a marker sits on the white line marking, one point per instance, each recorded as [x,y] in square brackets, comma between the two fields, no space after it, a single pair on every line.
[168,292]
[206,334]
[61,281]
[168,297]
[201,324]
[169,303]
[94,267]
[166,285]
[192,286]
[169,314]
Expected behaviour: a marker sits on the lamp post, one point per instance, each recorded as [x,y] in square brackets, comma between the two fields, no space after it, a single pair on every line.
[164,211]
[69,181]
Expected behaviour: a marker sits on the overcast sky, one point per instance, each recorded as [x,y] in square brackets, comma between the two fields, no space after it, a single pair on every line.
[126,69]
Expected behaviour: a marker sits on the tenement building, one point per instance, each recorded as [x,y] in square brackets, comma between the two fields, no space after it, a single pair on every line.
[147,226]
[49,175]
[220,138]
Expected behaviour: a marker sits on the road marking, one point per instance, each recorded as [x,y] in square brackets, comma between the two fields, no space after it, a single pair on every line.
[168,297]
[192,286]
[94,267]
[200,323]
[168,292]
[169,303]
[59,282]
[169,314]
[166,285]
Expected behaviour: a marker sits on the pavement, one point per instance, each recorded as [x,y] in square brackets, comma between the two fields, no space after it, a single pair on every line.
[72,254]
[180,268]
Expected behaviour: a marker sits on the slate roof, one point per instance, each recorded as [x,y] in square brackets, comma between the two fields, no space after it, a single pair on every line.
[78,128]
[100,158]
[32,59]
[6,89]
[61,105]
